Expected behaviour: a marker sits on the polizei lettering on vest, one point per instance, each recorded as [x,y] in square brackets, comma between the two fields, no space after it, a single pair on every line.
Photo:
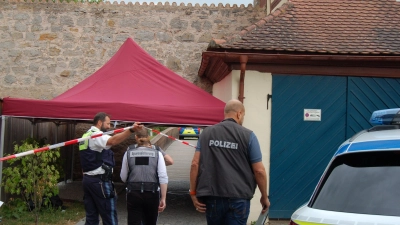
[223,144]
[142,153]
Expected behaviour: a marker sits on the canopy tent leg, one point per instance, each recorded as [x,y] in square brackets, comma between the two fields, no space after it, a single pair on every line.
[56,141]
[3,128]
[32,128]
[56,134]
[73,153]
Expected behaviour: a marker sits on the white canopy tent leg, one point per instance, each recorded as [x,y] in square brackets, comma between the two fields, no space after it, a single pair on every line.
[3,128]
[73,154]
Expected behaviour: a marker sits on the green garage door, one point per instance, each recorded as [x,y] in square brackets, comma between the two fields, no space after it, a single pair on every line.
[301,149]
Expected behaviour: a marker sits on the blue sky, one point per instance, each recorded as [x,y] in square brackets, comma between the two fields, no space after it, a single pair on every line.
[201,2]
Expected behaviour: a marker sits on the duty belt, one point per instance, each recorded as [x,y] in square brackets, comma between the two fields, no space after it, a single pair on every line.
[104,177]
[97,175]
[142,186]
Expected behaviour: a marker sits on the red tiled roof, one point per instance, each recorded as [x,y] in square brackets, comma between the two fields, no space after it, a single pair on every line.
[324,26]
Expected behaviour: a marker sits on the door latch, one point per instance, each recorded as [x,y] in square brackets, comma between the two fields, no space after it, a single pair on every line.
[269,96]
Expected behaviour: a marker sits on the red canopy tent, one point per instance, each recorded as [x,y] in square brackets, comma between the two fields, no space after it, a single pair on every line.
[131,86]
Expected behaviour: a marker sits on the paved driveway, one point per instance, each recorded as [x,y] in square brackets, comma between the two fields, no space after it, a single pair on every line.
[179,211]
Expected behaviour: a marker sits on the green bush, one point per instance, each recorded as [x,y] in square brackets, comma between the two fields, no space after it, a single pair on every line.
[33,177]
[13,209]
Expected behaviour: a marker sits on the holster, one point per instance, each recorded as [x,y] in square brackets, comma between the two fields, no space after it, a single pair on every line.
[108,173]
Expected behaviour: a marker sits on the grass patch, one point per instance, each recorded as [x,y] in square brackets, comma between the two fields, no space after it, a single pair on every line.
[13,214]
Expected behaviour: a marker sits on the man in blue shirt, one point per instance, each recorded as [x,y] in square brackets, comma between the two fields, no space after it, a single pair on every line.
[226,168]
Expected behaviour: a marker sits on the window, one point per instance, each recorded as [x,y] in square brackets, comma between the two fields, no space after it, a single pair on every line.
[365,183]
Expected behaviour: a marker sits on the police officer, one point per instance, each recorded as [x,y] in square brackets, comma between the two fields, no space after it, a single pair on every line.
[226,168]
[97,161]
[144,171]
[167,158]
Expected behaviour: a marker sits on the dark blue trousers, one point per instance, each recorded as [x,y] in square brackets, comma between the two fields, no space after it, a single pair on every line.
[99,199]
[226,211]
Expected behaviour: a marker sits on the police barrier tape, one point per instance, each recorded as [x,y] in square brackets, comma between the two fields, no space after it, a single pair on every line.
[170,137]
[62,144]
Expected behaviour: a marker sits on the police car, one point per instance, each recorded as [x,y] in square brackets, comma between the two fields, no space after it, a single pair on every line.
[193,132]
[361,185]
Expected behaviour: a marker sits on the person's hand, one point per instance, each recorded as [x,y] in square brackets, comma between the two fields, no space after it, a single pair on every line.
[162,206]
[264,203]
[137,126]
[200,207]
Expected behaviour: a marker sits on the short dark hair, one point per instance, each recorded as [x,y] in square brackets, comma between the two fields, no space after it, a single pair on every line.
[101,116]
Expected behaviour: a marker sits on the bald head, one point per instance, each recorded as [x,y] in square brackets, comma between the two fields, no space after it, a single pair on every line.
[233,106]
[234,109]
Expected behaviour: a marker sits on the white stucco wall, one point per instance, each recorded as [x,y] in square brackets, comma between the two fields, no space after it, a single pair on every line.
[223,89]
[258,118]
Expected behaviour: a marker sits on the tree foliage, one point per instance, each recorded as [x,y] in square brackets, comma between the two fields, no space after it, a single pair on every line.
[33,177]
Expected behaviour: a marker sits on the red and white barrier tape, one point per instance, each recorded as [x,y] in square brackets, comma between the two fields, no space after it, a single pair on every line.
[61,144]
[170,137]
[83,139]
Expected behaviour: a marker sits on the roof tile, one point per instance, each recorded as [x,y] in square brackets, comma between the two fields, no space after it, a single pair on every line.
[334,26]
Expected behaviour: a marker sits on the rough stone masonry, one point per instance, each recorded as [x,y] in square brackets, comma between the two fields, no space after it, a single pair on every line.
[47,48]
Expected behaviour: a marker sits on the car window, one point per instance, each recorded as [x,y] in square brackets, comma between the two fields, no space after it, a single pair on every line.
[366,183]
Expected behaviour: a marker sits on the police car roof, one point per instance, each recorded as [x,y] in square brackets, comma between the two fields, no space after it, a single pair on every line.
[370,140]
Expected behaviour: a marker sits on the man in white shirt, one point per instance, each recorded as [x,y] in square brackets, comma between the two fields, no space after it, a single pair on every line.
[97,161]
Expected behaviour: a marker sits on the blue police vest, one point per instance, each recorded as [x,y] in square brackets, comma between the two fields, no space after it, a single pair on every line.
[90,159]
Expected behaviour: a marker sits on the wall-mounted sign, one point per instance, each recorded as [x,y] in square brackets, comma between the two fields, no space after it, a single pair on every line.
[312,114]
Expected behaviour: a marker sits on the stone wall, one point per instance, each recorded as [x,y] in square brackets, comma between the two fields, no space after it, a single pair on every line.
[47,48]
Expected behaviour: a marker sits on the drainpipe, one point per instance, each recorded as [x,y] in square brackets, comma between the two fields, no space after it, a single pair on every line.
[243,61]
